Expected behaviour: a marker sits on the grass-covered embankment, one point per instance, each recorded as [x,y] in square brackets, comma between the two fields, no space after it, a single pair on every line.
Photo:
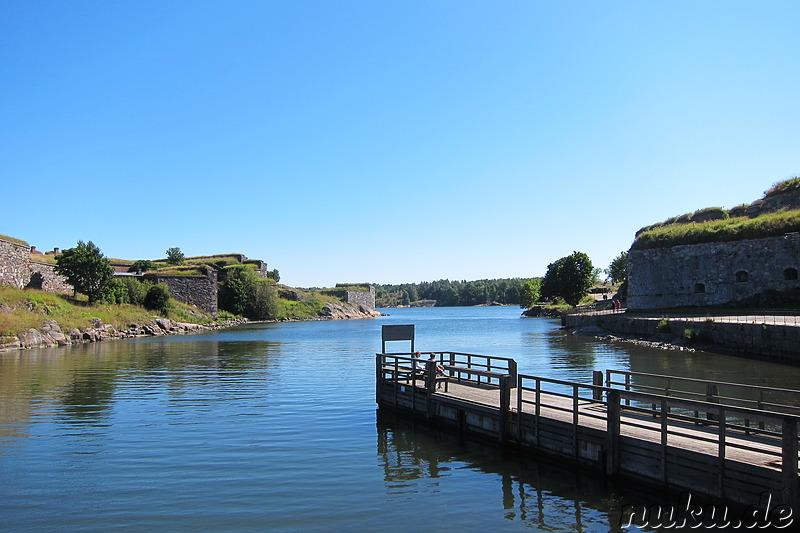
[731,229]
[771,216]
[22,309]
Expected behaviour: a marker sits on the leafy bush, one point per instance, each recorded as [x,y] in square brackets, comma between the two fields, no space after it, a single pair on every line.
[663,326]
[157,298]
[137,290]
[117,293]
[245,293]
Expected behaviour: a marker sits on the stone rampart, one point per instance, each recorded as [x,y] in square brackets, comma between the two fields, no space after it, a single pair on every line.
[364,298]
[43,276]
[712,273]
[200,291]
[260,267]
[14,263]
[19,270]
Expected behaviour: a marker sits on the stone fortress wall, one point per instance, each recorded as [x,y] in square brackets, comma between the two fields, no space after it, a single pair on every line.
[200,291]
[721,272]
[712,273]
[365,298]
[19,268]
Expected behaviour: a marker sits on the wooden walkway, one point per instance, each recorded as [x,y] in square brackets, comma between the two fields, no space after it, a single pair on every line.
[711,447]
[766,450]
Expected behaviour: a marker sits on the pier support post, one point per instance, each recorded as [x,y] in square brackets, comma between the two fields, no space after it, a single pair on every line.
[505,406]
[378,377]
[789,461]
[612,431]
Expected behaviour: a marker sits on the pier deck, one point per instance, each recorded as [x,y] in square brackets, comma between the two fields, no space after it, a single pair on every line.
[730,452]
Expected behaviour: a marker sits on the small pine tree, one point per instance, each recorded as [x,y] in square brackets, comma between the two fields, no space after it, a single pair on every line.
[175,256]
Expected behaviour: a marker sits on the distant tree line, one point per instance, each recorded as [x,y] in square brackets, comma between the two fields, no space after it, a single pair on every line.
[448,293]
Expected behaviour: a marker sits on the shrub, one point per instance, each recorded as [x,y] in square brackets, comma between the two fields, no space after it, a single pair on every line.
[137,290]
[157,298]
[245,293]
[117,293]
[663,326]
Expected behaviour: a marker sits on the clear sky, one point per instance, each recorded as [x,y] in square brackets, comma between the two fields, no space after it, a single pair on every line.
[388,141]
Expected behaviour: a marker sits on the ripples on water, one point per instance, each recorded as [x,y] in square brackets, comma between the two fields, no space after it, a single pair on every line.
[273,427]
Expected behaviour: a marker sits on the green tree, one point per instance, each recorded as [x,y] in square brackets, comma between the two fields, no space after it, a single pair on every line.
[530,293]
[86,269]
[551,286]
[142,265]
[274,275]
[618,269]
[264,302]
[576,277]
[568,278]
[175,256]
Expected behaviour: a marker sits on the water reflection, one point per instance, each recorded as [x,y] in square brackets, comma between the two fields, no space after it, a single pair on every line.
[414,456]
[87,397]
[82,383]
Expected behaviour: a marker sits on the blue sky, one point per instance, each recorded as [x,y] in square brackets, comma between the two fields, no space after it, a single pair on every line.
[388,141]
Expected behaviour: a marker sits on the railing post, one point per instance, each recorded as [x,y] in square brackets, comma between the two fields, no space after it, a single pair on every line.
[505,405]
[597,381]
[612,431]
[722,421]
[789,451]
[512,370]
[664,434]
[538,410]
[575,419]
[711,397]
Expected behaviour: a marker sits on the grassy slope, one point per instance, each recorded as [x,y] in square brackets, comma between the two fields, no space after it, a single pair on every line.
[21,309]
[732,229]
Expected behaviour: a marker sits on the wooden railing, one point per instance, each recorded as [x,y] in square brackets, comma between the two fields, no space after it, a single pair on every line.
[731,394]
[460,367]
[675,417]
[486,369]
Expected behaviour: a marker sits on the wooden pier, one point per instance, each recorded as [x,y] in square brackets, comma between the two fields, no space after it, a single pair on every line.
[674,433]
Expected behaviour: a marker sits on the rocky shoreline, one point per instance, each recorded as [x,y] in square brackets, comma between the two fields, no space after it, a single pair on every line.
[50,334]
[663,341]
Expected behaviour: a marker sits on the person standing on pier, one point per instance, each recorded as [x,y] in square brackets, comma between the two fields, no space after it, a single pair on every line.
[432,368]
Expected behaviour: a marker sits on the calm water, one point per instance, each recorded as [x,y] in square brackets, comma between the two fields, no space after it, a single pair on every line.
[274,427]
